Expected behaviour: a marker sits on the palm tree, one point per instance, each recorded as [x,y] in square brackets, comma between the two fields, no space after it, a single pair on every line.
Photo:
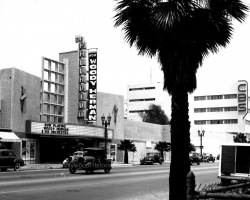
[126,146]
[240,138]
[163,146]
[180,33]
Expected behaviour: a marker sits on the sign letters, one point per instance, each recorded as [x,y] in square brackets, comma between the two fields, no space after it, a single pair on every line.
[92,87]
[82,77]
[242,97]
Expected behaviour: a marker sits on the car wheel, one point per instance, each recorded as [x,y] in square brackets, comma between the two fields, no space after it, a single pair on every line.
[142,163]
[152,162]
[198,163]
[160,162]
[17,166]
[72,169]
[4,169]
[107,171]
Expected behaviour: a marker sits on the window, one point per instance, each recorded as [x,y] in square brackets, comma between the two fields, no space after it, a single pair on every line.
[46,75]
[46,86]
[52,98]
[227,109]
[215,109]
[60,78]
[215,122]
[136,111]
[60,110]
[214,97]
[52,88]
[60,119]
[46,64]
[53,77]
[230,96]
[200,98]
[134,100]
[46,97]
[60,89]
[198,110]
[61,68]
[230,121]
[149,88]
[60,100]
[199,122]
[53,66]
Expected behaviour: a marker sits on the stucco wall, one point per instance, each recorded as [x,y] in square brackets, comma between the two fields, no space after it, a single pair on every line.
[135,130]
[106,104]
[5,77]
[31,109]
[73,84]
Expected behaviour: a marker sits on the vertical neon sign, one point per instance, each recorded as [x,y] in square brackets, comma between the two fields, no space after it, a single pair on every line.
[92,95]
[82,108]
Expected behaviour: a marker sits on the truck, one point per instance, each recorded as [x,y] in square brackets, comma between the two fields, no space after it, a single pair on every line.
[234,163]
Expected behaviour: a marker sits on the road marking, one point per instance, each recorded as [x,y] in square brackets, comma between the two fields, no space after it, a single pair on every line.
[85,184]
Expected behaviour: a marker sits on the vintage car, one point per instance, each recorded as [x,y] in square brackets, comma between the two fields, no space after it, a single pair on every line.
[9,160]
[194,158]
[207,157]
[67,161]
[91,160]
[151,158]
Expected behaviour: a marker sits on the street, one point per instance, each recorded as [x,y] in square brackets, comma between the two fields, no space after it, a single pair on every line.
[137,182]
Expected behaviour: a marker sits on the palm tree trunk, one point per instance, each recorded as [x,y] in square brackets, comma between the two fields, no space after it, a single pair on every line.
[162,155]
[126,156]
[180,140]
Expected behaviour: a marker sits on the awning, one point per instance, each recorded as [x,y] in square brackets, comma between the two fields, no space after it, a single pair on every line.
[9,137]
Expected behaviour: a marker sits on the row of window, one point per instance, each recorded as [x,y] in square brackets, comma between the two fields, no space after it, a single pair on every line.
[217,109]
[54,77]
[215,97]
[143,88]
[136,111]
[53,99]
[53,88]
[53,66]
[48,118]
[52,109]
[219,121]
[134,100]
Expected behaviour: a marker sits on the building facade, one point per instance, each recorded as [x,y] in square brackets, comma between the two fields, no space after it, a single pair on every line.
[140,96]
[36,140]
[221,112]
[39,115]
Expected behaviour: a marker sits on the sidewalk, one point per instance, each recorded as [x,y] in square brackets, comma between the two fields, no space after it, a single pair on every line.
[43,166]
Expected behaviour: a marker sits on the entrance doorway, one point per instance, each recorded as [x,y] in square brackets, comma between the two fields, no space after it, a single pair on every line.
[55,150]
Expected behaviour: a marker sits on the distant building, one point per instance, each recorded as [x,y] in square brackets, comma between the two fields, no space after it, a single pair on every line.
[140,96]
[221,112]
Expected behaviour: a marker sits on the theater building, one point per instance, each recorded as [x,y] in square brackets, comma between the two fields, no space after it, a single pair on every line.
[40,115]
[34,125]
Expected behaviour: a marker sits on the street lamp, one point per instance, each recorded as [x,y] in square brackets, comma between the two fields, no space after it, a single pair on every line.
[201,134]
[106,123]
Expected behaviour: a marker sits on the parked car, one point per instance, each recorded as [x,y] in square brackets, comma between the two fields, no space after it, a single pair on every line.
[194,158]
[207,157]
[9,160]
[92,159]
[152,158]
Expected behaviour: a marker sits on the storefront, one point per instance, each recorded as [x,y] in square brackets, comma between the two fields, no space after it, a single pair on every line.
[53,142]
[8,139]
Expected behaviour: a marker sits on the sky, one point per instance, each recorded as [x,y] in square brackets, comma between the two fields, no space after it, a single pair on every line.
[30,29]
